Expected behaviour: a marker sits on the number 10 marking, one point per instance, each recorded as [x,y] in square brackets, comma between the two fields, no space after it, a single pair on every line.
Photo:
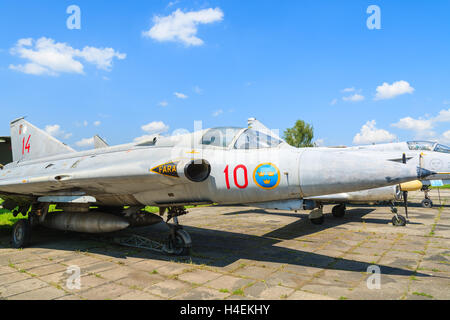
[235,171]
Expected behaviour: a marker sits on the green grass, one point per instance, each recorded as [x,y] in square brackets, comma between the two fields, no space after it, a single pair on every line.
[422,294]
[447,186]
[238,292]
[7,219]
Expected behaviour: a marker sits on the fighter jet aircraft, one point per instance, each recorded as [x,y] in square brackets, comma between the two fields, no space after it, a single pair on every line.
[5,150]
[435,157]
[432,155]
[226,165]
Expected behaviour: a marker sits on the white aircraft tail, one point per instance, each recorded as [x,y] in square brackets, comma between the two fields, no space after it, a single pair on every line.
[99,143]
[29,142]
[257,125]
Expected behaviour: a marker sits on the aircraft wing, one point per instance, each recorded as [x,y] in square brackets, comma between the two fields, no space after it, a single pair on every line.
[120,178]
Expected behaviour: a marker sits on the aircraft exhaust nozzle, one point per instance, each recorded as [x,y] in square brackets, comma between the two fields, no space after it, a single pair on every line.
[196,170]
[333,172]
[95,222]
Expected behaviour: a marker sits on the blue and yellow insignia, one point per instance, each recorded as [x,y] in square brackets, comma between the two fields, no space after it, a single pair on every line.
[167,169]
[266,176]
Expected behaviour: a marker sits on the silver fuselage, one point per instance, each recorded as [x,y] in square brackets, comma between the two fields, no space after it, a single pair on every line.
[122,175]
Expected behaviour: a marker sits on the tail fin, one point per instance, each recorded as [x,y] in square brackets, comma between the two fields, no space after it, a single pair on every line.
[99,143]
[29,142]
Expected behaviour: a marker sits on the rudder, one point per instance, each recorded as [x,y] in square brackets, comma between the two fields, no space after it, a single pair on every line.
[29,142]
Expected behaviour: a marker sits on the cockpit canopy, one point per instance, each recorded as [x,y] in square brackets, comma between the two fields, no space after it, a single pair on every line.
[220,137]
[244,138]
[442,148]
[253,139]
[428,146]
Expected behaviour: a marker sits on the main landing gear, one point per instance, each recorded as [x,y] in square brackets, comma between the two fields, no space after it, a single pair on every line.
[427,203]
[21,235]
[338,211]
[179,242]
[397,220]
[316,216]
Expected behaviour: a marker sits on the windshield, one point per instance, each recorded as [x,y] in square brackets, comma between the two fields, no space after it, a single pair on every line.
[220,137]
[252,139]
[442,148]
[421,145]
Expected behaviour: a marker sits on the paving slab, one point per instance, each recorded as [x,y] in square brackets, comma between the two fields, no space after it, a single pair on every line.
[247,253]
[50,293]
[104,292]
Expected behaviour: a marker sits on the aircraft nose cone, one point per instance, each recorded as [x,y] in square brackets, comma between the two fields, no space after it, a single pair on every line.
[330,172]
[423,173]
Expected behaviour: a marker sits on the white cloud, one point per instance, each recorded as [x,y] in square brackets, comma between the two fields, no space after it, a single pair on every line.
[443,116]
[152,129]
[352,89]
[446,137]
[97,123]
[180,95]
[86,142]
[145,137]
[163,103]
[198,90]
[172,3]
[333,102]
[370,134]
[182,26]
[389,91]
[55,131]
[320,142]
[423,128]
[217,113]
[48,57]
[85,123]
[155,127]
[354,98]
[409,123]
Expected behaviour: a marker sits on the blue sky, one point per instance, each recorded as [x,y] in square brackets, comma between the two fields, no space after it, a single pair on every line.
[278,61]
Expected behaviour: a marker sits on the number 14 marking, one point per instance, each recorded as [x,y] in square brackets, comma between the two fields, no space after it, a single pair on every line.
[26,146]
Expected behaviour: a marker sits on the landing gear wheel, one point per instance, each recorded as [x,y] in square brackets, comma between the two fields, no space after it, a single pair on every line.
[399,221]
[427,203]
[338,211]
[179,243]
[21,235]
[317,221]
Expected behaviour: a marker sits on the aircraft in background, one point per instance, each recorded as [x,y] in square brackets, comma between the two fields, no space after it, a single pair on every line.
[226,165]
[5,151]
[435,157]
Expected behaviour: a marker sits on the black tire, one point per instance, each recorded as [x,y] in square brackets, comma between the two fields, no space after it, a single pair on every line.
[317,221]
[21,234]
[399,221]
[338,211]
[427,203]
[181,245]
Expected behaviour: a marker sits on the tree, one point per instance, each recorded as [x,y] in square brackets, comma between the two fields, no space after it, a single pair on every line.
[300,135]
